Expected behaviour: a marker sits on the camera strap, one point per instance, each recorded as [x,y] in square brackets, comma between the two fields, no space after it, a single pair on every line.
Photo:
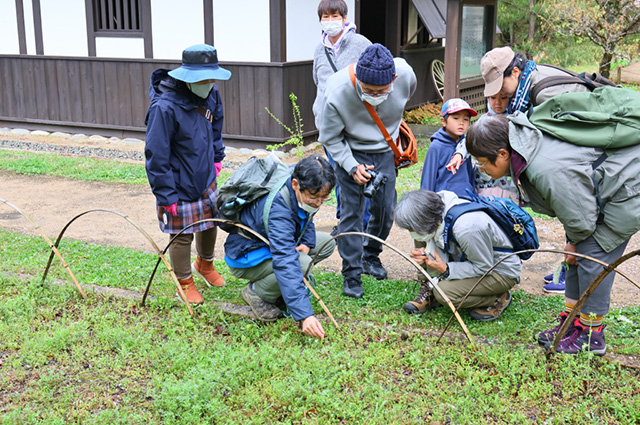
[375,116]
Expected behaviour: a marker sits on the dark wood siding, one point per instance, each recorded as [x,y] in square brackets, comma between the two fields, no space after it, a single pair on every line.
[110,96]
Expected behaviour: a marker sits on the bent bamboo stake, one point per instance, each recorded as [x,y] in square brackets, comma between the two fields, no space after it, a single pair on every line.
[54,248]
[141,230]
[243,227]
[417,266]
[583,298]
[559,251]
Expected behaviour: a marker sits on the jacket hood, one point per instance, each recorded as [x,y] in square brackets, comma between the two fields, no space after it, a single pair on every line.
[524,137]
[442,136]
[164,86]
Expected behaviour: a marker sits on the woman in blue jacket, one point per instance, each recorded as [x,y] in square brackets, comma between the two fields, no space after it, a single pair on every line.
[184,151]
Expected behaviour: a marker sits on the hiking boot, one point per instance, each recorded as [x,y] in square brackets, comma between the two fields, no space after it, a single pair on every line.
[373,267]
[423,302]
[583,338]
[352,287]
[546,337]
[486,314]
[189,288]
[204,269]
[263,310]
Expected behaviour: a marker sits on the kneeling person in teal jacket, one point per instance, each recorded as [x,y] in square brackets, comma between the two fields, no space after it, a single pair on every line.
[276,270]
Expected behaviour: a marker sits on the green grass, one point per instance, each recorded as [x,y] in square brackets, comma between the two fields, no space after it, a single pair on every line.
[108,360]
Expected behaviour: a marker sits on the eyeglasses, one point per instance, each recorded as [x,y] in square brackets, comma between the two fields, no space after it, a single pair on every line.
[376,94]
[313,200]
[482,164]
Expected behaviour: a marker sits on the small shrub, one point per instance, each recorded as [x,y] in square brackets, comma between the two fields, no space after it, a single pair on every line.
[429,113]
[296,138]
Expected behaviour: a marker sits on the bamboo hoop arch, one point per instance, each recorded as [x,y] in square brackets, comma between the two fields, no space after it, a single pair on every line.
[253,232]
[54,248]
[558,251]
[140,229]
[417,266]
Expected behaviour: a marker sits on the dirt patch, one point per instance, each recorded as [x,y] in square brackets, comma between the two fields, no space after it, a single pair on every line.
[52,202]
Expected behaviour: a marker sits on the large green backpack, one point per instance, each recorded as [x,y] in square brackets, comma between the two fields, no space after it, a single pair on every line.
[607,117]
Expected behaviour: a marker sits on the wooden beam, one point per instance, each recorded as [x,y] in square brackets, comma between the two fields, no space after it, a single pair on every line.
[145,18]
[37,26]
[278,30]
[452,50]
[208,22]
[22,35]
[91,30]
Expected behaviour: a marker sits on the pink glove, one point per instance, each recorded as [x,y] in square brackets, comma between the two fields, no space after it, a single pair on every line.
[173,209]
[218,166]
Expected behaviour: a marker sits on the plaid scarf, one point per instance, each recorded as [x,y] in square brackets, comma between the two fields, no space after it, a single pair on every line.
[520,100]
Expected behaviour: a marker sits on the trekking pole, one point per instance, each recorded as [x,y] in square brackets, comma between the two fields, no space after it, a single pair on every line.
[417,266]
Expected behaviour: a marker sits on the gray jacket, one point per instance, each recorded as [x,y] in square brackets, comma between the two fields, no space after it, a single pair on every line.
[351,47]
[345,123]
[557,182]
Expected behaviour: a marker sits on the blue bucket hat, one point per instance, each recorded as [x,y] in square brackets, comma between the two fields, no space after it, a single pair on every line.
[200,62]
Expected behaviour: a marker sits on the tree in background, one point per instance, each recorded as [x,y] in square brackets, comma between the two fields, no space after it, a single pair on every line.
[609,24]
[517,21]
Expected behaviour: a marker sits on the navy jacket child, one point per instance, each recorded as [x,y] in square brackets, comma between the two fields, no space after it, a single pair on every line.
[455,117]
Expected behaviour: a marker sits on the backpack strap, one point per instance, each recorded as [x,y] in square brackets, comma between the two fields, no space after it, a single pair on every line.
[375,116]
[281,188]
[557,80]
[333,65]
[205,113]
[595,165]
[449,220]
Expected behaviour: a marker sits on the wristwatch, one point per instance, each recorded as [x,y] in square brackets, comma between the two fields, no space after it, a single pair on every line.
[445,274]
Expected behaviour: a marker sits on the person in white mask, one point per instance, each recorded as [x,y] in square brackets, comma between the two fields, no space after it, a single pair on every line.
[275,271]
[480,243]
[184,152]
[340,46]
[354,140]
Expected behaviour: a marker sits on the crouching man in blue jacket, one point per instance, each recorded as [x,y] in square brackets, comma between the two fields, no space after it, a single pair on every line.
[276,271]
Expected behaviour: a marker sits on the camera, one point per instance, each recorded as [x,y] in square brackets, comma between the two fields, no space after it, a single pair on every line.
[374,183]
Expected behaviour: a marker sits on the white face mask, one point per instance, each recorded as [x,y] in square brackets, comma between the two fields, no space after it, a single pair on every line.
[200,90]
[423,238]
[374,101]
[308,208]
[332,28]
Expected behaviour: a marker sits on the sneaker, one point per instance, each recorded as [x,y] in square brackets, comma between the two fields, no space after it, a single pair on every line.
[373,267]
[263,310]
[546,337]
[352,287]
[583,338]
[423,302]
[486,314]
[189,288]
[554,288]
[205,270]
[549,278]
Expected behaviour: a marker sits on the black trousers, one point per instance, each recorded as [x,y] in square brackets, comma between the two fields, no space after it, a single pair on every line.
[352,209]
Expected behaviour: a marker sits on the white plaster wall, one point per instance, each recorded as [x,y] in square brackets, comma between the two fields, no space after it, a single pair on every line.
[241,30]
[64,27]
[9,42]
[111,47]
[303,29]
[28,27]
[176,25]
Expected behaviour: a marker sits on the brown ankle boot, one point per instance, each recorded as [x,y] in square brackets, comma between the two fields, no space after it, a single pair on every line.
[205,270]
[189,288]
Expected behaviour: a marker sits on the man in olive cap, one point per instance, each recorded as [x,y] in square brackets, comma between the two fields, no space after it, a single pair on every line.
[184,151]
[357,145]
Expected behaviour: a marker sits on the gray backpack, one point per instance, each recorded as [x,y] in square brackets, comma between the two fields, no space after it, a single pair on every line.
[255,178]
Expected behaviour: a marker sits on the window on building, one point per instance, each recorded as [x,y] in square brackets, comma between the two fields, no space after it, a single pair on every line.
[122,16]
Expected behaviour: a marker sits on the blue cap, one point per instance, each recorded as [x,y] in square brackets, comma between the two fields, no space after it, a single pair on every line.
[199,63]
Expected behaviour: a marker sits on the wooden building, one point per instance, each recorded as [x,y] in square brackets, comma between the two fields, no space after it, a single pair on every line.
[84,65]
